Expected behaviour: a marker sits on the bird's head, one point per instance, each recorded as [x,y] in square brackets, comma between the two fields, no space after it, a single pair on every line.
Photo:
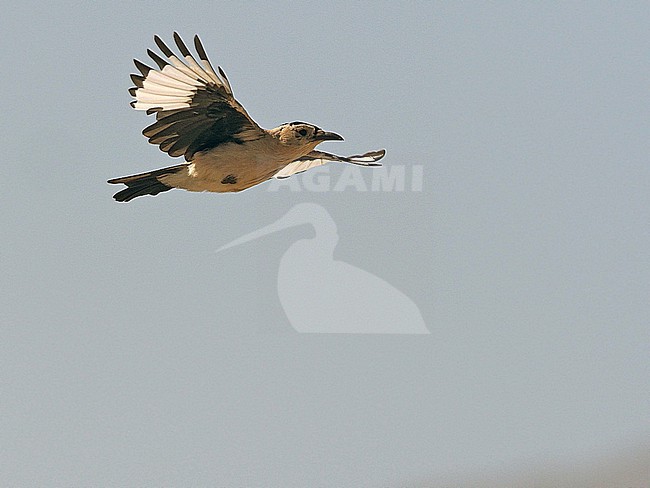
[302,134]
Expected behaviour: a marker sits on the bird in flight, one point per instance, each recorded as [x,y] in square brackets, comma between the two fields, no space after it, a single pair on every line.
[197,117]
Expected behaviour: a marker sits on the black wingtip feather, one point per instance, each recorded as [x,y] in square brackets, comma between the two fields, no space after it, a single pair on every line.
[199,48]
[181,45]
[157,59]
[222,74]
[162,46]
[143,68]
[137,80]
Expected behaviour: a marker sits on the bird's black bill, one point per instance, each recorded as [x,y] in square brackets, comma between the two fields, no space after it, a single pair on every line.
[328,136]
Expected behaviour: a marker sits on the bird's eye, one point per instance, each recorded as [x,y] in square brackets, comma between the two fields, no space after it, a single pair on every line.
[302,132]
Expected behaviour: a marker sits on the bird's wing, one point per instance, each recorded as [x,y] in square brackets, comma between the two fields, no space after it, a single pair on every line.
[318,158]
[194,106]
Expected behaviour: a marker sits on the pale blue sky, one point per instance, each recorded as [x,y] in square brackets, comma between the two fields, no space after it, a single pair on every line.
[133,355]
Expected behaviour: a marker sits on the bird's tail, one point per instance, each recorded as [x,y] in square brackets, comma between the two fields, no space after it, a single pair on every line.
[144,183]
